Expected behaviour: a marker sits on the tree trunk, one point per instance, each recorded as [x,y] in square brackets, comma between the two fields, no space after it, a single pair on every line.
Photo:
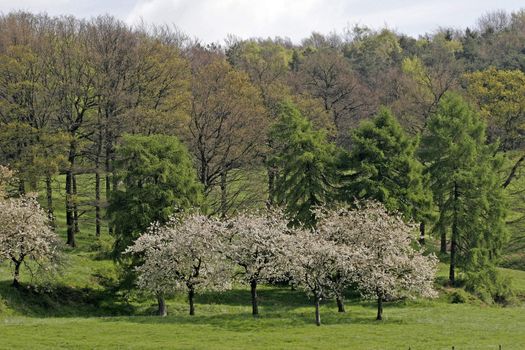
[454,239]
[271,185]
[422,233]
[69,197]
[443,246]
[108,172]
[163,309]
[69,211]
[16,276]
[224,194]
[191,295]
[75,203]
[98,156]
[340,304]
[317,311]
[379,308]
[97,202]
[255,307]
[49,197]
[21,187]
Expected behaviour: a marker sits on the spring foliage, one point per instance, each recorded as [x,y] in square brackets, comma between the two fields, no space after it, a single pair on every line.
[385,263]
[182,255]
[25,234]
[365,247]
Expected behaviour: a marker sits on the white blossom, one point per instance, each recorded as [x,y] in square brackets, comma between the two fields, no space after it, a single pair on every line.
[320,267]
[25,234]
[256,243]
[389,266]
[182,255]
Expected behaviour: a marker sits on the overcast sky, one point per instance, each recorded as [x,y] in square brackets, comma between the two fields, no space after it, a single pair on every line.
[212,20]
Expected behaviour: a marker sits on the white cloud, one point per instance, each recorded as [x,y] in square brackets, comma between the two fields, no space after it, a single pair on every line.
[79,8]
[212,20]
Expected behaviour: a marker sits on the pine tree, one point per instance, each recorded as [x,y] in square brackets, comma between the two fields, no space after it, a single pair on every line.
[463,172]
[305,161]
[382,166]
[157,179]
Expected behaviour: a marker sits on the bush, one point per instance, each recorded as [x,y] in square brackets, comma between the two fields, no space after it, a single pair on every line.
[489,285]
[459,296]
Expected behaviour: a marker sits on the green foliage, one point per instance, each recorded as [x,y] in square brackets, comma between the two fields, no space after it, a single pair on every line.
[32,152]
[501,97]
[485,281]
[373,51]
[459,296]
[304,161]
[382,166]
[464,175]
[157,179]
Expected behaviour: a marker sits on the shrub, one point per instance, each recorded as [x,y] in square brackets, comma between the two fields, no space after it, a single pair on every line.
[460,296]
[489,285]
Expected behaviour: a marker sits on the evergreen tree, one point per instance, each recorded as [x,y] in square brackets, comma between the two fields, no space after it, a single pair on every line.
[463,172]
[156,178]
[382,166]
[305,161]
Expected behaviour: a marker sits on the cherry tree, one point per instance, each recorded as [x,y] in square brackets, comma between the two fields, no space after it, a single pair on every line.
[389,266]
[316,263]
[181,255]
[256,242]
[26,234]
[331,227]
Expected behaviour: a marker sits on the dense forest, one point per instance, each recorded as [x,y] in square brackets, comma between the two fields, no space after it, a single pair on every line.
[154,123]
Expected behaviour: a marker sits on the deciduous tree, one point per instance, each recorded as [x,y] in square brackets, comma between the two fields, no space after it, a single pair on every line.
[385,263]
[256,243]
[25,234]
[227,127]
[183,254]
[314,264]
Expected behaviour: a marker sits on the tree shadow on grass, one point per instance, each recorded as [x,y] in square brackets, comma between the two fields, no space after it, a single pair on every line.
[279,307]
[275,313]
[244,322]
[268,297]
[62,301]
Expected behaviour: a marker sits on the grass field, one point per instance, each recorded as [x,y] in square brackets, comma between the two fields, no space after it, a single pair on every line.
[79,309]
[222,326]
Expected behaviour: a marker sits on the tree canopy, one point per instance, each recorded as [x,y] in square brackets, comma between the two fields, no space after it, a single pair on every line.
[465,183]
[157,180]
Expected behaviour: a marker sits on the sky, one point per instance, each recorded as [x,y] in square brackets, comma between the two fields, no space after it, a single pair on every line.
[213,20]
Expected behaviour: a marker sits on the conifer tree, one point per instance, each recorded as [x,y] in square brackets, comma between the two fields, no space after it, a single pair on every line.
[156,179]
[382,166]
[463,172]
[305,163]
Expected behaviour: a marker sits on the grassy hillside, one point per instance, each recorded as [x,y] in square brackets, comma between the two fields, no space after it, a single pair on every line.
[79,308]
